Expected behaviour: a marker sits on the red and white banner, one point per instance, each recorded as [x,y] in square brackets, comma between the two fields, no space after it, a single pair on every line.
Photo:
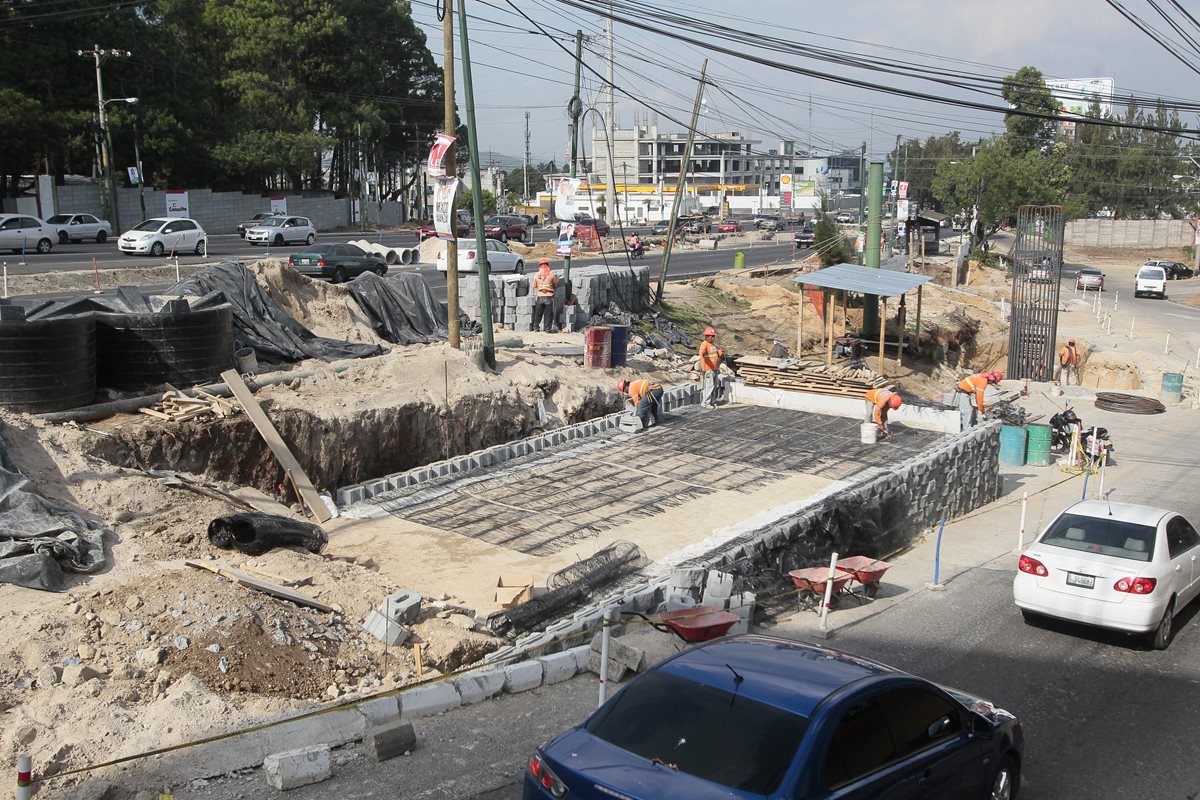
[444,192]
[903,190]
[437,155]
[278,205]
[785,192]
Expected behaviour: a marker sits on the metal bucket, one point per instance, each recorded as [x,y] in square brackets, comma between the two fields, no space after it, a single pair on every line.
[1037,445]
[1012,445]
[1172,388]
[245,360]
[597,346]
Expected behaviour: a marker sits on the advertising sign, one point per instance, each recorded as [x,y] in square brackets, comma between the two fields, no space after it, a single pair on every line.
[1075,95]
[903,190]
[902,209]
[437,155]
[278,205]
[134,178]
[566,238]
[785,192]
[444,192]
[564,197]
[177,202]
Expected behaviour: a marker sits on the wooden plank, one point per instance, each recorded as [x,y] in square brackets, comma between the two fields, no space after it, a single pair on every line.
[248,581]
[150,412]
[308,494]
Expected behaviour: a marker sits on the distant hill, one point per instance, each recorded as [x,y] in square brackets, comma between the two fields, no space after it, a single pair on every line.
[489,158]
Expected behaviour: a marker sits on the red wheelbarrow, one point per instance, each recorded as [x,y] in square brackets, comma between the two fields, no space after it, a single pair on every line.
[695,624]
[811,583]
[867,572]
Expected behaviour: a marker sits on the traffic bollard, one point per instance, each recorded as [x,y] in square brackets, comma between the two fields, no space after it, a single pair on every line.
[937,560]
[1021,532]
[610,616]
[828,591]
[22,262]
[6,295]
[24,776]
[1167,344]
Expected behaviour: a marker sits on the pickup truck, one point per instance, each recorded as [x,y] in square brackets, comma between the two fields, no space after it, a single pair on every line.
[805,237]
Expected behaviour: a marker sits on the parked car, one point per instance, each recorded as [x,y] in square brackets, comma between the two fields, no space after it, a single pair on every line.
[700,225]
[23,233]
[763,717]
[1175,270]
[428,231]
[729,226]
[768,222]
[1089,278]
[661,227]
[602,227]
[159,235]
[281,230]
[336,262]
[499,257]
[844,216]
[250,223]
[506,227]
[1041,271]
[1151,279]
[77,227]
[1126,567]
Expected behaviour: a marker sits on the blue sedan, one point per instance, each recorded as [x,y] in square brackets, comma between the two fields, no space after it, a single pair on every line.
[757,716]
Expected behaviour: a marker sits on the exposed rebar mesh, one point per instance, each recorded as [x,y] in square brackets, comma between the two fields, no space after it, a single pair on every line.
[614,561]
[1036,276]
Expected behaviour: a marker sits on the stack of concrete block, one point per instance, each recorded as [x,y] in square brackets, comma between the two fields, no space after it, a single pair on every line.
[741,605]
[596,288]
[622,657]
[683,588]
[389,622]
[717,590]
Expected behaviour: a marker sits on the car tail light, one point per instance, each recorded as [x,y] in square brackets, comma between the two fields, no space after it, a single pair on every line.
[470,255]
[320,261]
[291,261]
[1032,566]
[1136,585]
[545,778]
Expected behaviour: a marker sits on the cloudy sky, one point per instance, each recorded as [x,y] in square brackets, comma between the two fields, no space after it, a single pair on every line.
[518,69]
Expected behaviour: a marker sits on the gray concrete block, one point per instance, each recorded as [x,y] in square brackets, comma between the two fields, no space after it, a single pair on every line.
[522,677]
[558,667]
[719,584]
[381,710]
[384,629]
[402,605]
[477,686]
[688,577]
[631,657]
[294,768]
[616,670]
[430,699]
[388,741]
[580,655]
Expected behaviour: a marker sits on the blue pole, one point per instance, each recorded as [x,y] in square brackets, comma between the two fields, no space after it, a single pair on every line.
[22,249]
[937,553]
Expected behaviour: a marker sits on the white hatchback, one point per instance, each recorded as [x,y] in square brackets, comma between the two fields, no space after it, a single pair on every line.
[1114,565]
[499,257]
[163,235]
[1151,279]
[281,230]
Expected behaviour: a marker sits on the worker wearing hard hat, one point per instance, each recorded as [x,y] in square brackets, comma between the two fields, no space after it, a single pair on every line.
[646,397]
[882,401]
[710,365]
[544,286]
[1068,360]
[969,396]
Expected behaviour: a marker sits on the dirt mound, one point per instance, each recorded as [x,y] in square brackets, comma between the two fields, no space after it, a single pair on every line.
[430,248]
[1110,371]
[323,308]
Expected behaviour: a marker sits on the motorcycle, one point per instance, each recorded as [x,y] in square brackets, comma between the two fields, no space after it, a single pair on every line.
[637,252]
[1092,440]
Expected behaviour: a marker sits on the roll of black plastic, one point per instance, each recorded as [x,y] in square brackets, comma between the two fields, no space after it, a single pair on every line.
[177,346]
[47,364]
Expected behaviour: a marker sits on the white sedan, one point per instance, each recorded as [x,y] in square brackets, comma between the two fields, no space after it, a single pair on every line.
[281,230]
[163,235]
[21,233]
[1114,565]
[499,257]
[77,227]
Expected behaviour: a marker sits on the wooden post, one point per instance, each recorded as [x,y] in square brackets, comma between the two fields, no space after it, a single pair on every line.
[902,323]
[824,315]
[845,305]
[800,326]
[882,330]
[918,333]
[830,310]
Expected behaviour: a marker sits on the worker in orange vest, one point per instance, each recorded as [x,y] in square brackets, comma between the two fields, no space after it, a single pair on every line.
[882,401]
[544,285]
[646,397]
[1068,360]
[710,365]
[969,396]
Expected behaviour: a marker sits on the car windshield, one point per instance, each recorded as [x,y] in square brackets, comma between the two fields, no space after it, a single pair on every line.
[496,221]
[151,225]
[1089,273]
[59,219]
[319,248]
[711,733]
[272,222]
[1103,536]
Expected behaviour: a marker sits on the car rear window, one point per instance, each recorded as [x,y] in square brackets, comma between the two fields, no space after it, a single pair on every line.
[1152,274]
[1102,535]
[703,731]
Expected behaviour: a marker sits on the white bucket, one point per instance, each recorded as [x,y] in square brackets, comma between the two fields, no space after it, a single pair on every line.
[869,433]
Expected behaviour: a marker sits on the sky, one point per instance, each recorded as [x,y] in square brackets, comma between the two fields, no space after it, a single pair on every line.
[517,69]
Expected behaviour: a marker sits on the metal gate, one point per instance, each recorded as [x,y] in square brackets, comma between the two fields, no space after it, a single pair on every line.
[1036,278]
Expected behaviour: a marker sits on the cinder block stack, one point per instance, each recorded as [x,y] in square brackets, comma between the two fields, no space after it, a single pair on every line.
[595,289]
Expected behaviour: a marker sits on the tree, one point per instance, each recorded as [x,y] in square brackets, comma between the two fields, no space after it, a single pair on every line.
[465,200]
[1026,90]
[828,238]
[514,182]
[916,162]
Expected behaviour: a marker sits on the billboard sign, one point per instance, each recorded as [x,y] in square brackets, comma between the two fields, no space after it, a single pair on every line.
[436,167]
[444,191]
[785,191]
[1075,95]
[566,238]
[564,197]
[278,205]
[177,202]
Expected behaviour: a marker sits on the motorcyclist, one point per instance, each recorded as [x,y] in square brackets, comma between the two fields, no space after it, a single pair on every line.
[636,248]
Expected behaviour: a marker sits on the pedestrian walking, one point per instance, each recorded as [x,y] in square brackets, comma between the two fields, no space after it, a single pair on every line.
[1068,364]
[710,366]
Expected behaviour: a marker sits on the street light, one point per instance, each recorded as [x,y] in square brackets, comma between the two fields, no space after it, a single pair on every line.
[108,191]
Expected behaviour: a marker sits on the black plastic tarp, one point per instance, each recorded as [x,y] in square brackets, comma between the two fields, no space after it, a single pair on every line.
[40,539]
[260,324]
[401,307]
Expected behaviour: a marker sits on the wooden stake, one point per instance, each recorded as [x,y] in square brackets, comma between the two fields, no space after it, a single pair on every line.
[800,327]
[830,310]
[420,667]
[918,333]
[882,329]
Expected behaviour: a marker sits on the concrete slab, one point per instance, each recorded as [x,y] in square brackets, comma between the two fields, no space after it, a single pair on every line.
[292,769]
[522,676]
[558,667]
[477,686]
[425,701]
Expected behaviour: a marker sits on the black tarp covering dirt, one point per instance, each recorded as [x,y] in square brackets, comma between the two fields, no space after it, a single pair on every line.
[401,307]
[41,540]
[255,533]
[258,323]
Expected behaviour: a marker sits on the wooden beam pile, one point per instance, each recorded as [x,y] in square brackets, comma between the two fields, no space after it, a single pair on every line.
[809,376]
[177,406]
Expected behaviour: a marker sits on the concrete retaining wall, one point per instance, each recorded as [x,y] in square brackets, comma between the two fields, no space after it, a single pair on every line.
[595,289]
[1133,233]
[928,418]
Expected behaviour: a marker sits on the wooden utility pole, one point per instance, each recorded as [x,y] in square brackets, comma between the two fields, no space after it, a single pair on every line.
[574,110]
[683,167]
[452,171]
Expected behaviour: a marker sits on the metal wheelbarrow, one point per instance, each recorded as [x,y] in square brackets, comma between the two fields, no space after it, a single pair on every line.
[811,583]
[865,571]
[695,624]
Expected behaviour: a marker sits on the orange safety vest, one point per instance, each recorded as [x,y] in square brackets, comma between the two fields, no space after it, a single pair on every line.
[879,398]
[1068,356]
[639,389]
[545,284]
[710,356]
[976,384]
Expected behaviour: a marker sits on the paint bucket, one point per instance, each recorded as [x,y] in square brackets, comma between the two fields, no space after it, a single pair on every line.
[1172,388]
[1012,445]
[597,346]
[245,360]
[739,260]
[1037,445]
[869,432]
[620,342]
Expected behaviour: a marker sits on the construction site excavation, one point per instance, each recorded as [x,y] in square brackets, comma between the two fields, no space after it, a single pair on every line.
[256,495]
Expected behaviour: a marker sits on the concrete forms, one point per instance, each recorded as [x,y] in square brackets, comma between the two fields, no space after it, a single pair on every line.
[941,419]
[596,290]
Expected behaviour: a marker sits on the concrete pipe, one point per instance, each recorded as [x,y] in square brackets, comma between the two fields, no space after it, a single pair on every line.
[411,255]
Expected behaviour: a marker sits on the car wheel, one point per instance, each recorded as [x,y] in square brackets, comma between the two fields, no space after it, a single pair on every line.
[278,240]
[199,248]
[156,249]
[519,268]
[339,275]
[312,237]
[1161,638]
[1029,617]
[1004,787]
[44,246]
[63,238]
[380,270]
[527,237]
[101,237]
[504,237]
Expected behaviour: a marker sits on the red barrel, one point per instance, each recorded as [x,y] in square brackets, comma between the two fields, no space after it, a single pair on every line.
[597,346]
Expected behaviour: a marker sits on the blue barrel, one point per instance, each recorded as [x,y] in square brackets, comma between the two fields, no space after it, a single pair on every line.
[620,343]
[1037,445]
[1012,445]
[1172,388]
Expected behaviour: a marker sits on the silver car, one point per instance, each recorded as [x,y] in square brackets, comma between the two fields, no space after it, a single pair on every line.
[21,233]
[1089,278]
[281,230]
[77,227]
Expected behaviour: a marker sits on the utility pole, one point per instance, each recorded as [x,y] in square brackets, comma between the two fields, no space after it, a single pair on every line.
[525,172]
[451,171]
[862,194]
[362,179]
[610,193]
[108,189]
[574,109]
[683,167]
[871,321]
[485,292]
[137,159]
